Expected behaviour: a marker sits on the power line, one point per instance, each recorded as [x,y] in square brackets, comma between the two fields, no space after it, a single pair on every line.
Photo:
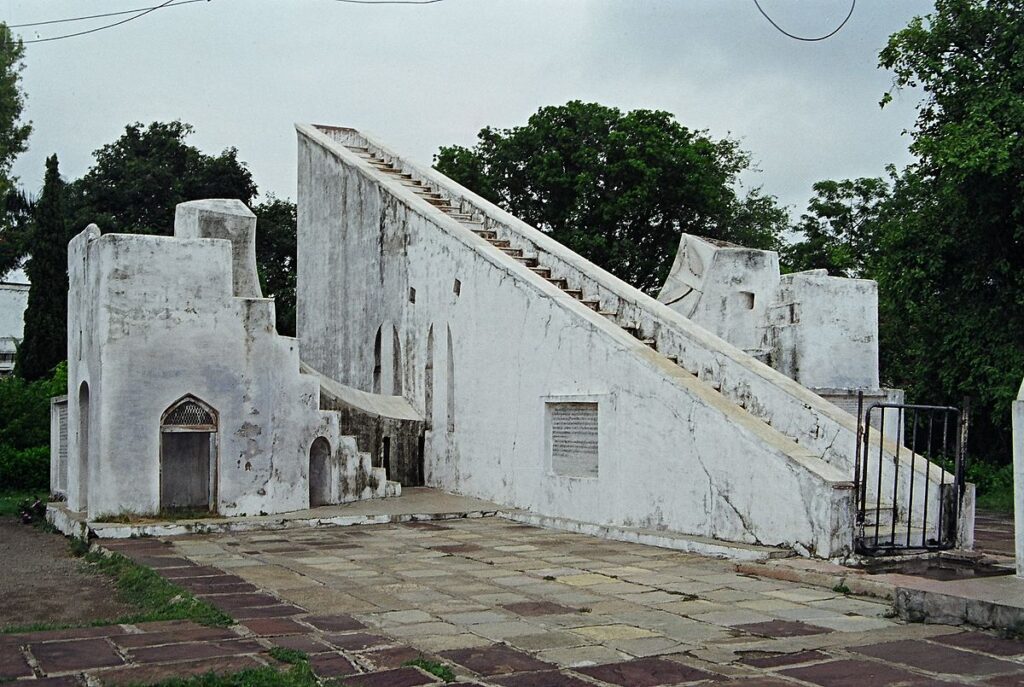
[804,38]
[101,28]
[390,2]
[100,16]
[143,11]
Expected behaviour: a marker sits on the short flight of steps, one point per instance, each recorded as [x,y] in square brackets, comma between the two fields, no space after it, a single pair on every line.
[877,530]
[360,479]
[475,224]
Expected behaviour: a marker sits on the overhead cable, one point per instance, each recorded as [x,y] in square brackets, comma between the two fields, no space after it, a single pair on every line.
[805,38]
[100,28]
[390,2]
[175,3]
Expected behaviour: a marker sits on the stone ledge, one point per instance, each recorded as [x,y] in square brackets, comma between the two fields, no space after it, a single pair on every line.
[987,602]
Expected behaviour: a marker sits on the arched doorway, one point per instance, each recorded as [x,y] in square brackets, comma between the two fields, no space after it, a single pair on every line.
[83,447]
[188,456]
[319,473]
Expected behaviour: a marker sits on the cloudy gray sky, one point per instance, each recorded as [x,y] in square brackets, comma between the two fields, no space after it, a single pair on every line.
[243,71]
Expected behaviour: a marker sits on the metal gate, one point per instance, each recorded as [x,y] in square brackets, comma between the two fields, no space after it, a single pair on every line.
[898,507]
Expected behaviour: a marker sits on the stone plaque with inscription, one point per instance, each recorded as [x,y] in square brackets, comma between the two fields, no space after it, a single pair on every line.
[573,439]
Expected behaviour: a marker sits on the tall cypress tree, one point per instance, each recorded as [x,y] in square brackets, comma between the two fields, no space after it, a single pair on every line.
[45,342]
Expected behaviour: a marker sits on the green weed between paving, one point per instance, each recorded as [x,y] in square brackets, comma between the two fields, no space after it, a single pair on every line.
[138,586]
[434,668]
[297,676]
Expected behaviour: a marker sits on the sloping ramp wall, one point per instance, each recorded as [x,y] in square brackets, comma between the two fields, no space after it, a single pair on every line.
[395,294]
[388,428]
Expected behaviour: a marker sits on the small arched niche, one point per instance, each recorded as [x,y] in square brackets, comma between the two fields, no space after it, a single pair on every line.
[83,447]
[188,456]
[319,473]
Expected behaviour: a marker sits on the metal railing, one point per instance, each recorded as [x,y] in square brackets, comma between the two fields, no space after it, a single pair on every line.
[898,506]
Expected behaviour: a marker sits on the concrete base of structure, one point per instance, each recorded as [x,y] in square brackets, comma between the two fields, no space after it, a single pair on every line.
[995,602]
[665,540]
[415,504]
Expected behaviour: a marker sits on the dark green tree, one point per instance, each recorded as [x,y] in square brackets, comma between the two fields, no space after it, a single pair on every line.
[137,180]
[275,257]
[616,187]
[951,260]
[839,231]
[45,341]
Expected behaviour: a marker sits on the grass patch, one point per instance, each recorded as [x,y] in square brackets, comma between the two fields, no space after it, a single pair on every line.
[297,676]
[434,668]
[842,589]
[154,597]
[10,501]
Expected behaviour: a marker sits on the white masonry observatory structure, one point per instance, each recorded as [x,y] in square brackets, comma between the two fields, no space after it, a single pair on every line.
[446,343]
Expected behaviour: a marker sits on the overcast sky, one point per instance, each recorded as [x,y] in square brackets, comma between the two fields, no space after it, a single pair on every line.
[243,71]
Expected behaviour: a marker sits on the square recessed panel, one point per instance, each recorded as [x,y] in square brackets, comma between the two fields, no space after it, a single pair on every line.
[573,439]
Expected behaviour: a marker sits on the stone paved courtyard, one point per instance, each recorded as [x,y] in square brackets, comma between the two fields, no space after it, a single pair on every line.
[511,605]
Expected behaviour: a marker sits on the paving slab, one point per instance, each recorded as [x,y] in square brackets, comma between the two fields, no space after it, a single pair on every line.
[645,672]
[146,675]
[13,662]
[495,660]
[334,623]
[332,665]
[984,642]
[950,661]
[81,654]
[860,673]
[546,678]
[400,677]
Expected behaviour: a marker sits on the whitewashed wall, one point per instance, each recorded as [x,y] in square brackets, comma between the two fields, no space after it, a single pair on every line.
[674,454]
[824,330]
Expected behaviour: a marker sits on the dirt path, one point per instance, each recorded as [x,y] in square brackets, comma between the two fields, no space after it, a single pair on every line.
[41,582]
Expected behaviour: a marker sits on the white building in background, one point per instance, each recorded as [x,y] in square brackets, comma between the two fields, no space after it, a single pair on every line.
[13,302]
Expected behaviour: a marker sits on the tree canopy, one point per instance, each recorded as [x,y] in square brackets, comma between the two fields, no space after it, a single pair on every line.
[839,230]
[952,255]
[946,241]
[136,181]
[276,247]
[616,187]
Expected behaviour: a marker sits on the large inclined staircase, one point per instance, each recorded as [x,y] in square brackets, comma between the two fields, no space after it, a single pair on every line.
[530,257]
[820,430]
